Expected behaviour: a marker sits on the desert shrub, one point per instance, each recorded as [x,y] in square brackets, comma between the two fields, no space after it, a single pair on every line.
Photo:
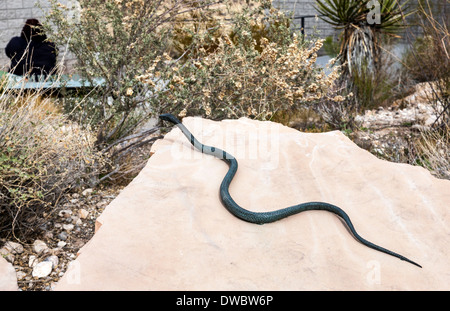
[433,151]
[428,59]
[259,66]
[362,22]
[114,42]
[331,47]
[42,157]
[340,112]
[364,26]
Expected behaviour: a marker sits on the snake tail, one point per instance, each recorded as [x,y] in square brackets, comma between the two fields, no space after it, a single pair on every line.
[268,217]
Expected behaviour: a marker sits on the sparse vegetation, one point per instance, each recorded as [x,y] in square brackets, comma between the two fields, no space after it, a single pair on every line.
[428,60]
[209,59]
[43,155]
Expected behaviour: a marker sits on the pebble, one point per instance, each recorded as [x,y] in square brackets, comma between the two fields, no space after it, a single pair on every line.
[83,213]
[13,247]
[87,192]
[61,244]
[7,255]
[39,246]
[65,213]
[32,261]
[63,236]
[76,220]
[42,269]
[68,227]
[53,259]
[101,204]
[48,235]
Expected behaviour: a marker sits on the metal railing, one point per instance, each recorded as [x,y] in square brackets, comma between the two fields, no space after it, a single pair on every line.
[302,21]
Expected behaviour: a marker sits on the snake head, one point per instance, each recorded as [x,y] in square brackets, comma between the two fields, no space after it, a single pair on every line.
[169,117]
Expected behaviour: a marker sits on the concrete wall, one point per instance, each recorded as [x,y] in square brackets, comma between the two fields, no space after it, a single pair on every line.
[13,14]
[306,8]
[440,9]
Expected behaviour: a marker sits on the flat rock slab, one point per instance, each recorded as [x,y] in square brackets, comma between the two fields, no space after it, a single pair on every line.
[8,278]
[167,230]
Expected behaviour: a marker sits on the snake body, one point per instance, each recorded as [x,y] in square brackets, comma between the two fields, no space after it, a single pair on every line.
[267,217]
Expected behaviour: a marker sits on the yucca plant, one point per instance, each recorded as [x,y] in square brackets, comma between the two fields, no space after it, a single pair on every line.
[361,22]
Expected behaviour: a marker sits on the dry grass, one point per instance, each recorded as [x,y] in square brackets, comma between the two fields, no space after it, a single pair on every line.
[42,157]
[434,150]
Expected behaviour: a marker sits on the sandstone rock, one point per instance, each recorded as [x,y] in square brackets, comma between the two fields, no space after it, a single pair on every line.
[167,230]
[8,278]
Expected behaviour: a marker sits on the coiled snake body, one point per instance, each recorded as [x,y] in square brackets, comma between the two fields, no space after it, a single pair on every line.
[267,217]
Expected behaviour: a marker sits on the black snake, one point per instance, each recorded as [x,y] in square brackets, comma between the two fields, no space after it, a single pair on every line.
[267,217]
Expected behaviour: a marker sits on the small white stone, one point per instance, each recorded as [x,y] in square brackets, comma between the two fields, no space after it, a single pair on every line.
[75,219]
[32,261]
[87,192]
[7,255]
[65,213]
[39,246]
[83,213]
[61,244]
[13,247]
[68,227]
[42,269]
[54,260]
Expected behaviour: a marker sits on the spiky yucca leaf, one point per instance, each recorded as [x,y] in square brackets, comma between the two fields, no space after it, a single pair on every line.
[340,13]
[345,13]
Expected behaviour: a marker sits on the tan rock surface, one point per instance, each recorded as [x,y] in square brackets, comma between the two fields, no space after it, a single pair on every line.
[8,278]
[167,230]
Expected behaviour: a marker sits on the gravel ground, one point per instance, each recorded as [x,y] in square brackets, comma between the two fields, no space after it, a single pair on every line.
[41,264]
